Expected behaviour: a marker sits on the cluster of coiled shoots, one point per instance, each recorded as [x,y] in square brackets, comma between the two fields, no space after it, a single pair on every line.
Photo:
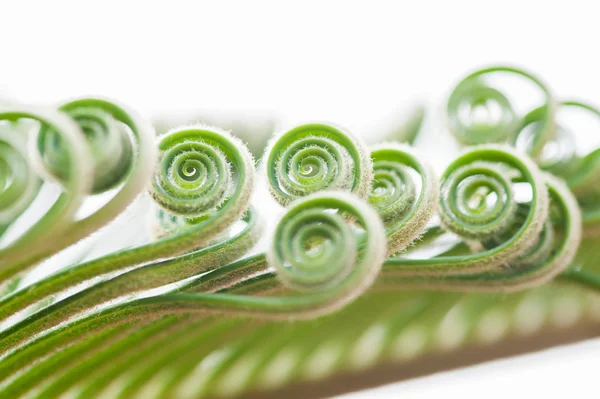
[352,218]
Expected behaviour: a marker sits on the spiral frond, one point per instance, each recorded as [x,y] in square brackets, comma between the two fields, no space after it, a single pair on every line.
[584,176]
[108,140]
[131,167]
[316,249]
[19,184]
[76,183]
[473,98]
[558,153]
[203,171]
[193,236]
[557,244]
[551,253]
[405,202]
[316,157]
[479,202]
[580,171]
[98,125]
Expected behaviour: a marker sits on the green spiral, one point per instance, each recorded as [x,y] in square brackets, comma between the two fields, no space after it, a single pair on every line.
[405,202]
[109,142]
[202,172]
[183,252]
[316,157]
[316,250]
[563,157]
[581,172]
[549,254]
[583,176]
[19,184]
[478,203]
[555,248]
[478,199]
[135,279]
[53,155]
[141,159]
[474,95]
[194,176]
[326,286]
[58,217]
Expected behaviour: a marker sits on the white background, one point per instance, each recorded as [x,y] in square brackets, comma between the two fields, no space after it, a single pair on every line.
[353,63]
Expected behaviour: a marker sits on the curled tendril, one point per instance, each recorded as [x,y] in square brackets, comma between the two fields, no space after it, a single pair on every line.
[563,156]
[316,250]
[478,203]
[584,177]
[316,157]
[550,253]
[145,267]
[502,123]
[196,234]
[204,175]
[194,176]
[478,200]
[315,234]
[556,245]
[152,275]
[76,183]
[54,152]
[405,212]
[581,172]
[108,140]
[464,207]
[324,257]
[140,167]
[19,184]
